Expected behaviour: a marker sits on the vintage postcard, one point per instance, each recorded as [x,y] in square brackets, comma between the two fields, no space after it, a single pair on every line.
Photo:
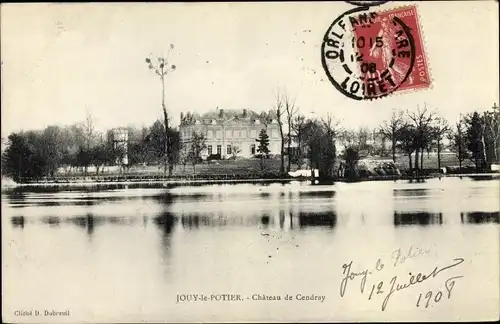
[250,162]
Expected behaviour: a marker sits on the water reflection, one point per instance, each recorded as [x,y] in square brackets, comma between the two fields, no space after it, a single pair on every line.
[480,217]
[417,218]
[174,238]
[52,221]
[418,192]
[317,194]
[325,218]
[265,219]
[17,221]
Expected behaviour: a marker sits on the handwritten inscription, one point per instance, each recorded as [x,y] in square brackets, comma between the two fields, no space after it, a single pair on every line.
[399,282]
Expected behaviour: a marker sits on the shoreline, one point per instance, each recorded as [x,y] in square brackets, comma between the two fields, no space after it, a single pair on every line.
[169,181]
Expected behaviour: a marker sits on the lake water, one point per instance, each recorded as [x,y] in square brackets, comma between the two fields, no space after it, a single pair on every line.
[120,253]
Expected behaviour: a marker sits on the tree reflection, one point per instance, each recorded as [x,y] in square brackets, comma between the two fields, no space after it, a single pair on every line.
[480,217]
[417,218]
[165,222]
[324,218]
[17,221]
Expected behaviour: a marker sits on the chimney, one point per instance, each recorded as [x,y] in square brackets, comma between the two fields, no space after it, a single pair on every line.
[244,113]
[182,117]
[221,113]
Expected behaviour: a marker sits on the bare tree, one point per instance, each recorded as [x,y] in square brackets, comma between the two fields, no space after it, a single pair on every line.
[291,111]
[197,146]
[235,150]
[89,137]
[458,141]
[492,125]
[440,129]
[422,119]
[89,131]
[390,130]
[279,110]
[298,125]
[328,153]
[162,69]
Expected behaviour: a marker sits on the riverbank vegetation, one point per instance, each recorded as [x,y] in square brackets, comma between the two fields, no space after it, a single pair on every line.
[414,141]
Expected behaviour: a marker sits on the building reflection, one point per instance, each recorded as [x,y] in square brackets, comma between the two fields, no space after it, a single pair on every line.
[417,218]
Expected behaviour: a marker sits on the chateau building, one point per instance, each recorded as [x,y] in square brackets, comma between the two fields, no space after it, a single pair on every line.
[232,132]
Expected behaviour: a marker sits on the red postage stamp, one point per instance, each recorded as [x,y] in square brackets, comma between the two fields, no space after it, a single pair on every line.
[370,54]
[383,30]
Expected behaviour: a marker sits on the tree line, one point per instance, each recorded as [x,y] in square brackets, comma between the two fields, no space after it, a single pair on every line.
[475,137]
[37,154]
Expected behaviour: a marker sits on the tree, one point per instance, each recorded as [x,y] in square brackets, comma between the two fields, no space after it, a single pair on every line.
[492,128]
[263,148]
[17,157]
[83,158]
[184,155]
[100,156]
[89,136]
[352,157]
[174,145]
[363,141]
[263,141]
[422,120]
[406,142]
[474,137]
[390,130]
[197,146]
[458,142]
[49,146]
[162,70]
[137,145]
[156,143]
[235,150]
[439,130]
[279,110]
[320,136]
[291,111]
[328,152]
[298,126]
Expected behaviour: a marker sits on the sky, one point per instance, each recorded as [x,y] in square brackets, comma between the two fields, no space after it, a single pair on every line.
[61,62]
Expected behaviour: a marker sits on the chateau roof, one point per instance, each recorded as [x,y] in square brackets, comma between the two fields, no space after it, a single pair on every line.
[223,115]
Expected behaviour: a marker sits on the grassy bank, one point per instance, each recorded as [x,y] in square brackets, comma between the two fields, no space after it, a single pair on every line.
[430,161]
[229,170]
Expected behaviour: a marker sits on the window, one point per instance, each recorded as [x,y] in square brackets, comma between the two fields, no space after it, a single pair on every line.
[210,134]
[218,134]
[228,151]
[253,133]
[209,149]
[228,133]
[219,149]
[252,149]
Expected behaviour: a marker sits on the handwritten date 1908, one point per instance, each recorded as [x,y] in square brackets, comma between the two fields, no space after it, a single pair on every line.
[449,284]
